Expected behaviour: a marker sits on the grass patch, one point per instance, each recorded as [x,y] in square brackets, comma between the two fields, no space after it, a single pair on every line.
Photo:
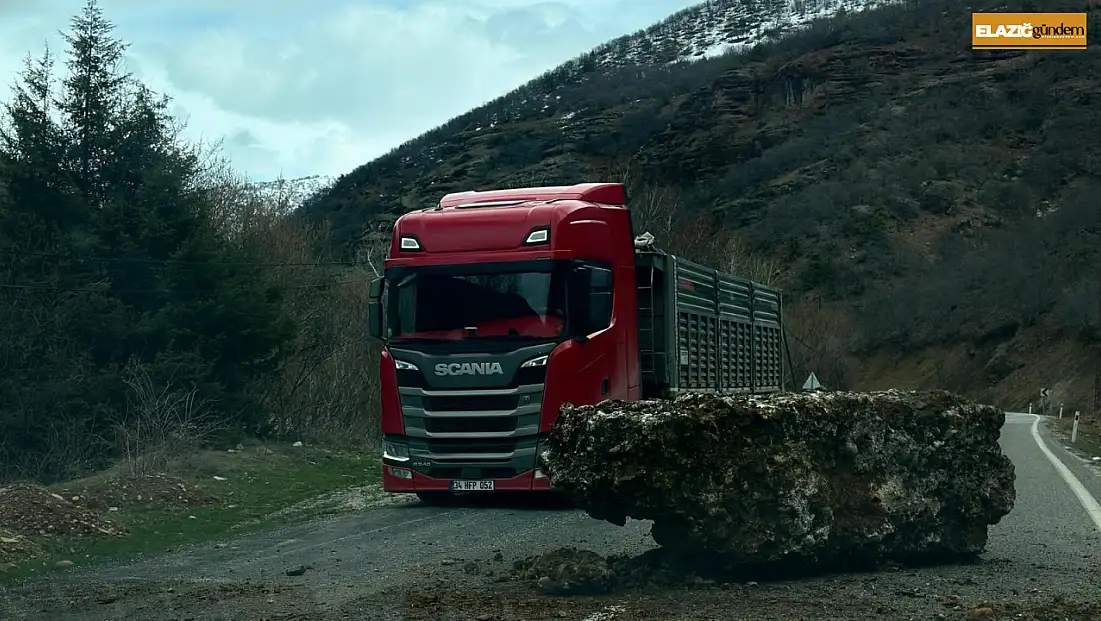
[1088,443]
[231,493]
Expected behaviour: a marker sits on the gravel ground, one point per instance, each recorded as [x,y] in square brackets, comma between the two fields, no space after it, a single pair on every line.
[410,562]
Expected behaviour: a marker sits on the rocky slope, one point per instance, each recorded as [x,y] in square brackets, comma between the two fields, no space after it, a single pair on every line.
[931,208]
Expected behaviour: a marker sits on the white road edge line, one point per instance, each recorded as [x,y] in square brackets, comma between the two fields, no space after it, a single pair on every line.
[1089,503]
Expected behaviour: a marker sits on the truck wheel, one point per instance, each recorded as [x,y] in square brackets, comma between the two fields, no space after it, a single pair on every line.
[436,499]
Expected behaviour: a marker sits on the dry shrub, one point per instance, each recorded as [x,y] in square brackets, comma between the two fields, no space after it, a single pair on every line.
[698,237]
[326,389]
[162,423]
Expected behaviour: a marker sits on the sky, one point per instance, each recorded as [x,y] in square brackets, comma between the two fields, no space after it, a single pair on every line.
[302,87]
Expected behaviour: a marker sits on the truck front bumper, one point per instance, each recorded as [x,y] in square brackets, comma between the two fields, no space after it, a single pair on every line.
[400,479]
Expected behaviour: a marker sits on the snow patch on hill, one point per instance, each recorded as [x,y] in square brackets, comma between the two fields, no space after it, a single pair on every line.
[716,27]
[292,192]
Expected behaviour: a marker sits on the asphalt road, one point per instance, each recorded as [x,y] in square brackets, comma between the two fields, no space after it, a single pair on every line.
[364,566]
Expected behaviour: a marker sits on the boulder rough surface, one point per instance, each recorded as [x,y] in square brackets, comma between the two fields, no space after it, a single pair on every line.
[822,478]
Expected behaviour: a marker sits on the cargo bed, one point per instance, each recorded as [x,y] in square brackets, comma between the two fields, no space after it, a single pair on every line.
[702,330]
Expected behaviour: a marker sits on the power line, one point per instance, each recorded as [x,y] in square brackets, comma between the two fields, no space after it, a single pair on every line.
[107,289]
[48,255]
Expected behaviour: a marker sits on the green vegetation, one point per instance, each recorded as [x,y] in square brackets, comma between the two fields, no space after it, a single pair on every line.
[1088,443]
[916,201]
[912,195]
[260,486]
[151,303]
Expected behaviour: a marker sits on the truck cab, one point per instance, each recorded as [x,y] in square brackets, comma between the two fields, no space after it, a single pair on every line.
[495,309]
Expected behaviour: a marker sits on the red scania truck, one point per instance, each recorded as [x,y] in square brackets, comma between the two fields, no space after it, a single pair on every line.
[498,307]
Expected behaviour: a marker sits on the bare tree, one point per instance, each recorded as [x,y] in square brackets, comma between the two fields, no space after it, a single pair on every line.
[163,423]
[818,339]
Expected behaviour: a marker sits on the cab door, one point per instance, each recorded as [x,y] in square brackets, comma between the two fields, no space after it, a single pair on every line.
[590,367]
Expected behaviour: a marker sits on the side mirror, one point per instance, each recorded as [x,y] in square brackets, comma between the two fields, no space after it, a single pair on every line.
[374,320]
[374,309]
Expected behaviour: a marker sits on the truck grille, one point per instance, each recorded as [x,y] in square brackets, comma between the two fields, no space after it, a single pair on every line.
[470,403]
[470,424]
[444,446]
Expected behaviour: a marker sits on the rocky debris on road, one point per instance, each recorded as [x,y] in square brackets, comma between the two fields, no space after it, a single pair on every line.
[804,480]
[102,600]
[16,548]
[441,602]
[160,490]
[573,571]
[569,571]
[1058,609]
[33,511]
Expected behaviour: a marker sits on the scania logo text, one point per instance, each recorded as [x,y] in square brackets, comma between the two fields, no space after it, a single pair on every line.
[469,368]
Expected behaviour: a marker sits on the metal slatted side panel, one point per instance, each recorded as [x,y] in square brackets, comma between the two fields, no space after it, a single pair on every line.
[697,327]
[735,334]
[768,368]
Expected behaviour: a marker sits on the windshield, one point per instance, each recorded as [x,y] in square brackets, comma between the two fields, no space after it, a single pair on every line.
[506,300]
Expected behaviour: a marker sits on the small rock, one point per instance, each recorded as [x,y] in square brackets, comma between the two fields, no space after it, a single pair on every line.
[220,546]
[297,444]
[980,612]
[297,571]
[65,563]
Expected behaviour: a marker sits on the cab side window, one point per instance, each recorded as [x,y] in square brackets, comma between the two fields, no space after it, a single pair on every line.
[600,299]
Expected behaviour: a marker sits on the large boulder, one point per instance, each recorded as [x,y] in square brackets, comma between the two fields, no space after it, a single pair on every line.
[821,478]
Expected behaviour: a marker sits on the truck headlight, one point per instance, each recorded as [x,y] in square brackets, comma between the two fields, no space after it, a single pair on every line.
[539,361]
[397,452]
[402,365]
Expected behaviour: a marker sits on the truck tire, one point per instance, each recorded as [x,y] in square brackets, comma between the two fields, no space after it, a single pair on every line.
[436,499]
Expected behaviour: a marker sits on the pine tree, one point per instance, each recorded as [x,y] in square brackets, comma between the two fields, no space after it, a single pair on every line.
[99,168]
[94,93]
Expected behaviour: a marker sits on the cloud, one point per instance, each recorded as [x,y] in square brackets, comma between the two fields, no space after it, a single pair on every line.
[319,87]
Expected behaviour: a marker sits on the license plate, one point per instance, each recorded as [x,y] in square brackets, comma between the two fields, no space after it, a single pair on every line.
[472,486]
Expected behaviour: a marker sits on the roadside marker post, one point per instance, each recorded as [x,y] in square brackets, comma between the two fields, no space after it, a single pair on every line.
[1060,410]
[1030,407]
[1074,429]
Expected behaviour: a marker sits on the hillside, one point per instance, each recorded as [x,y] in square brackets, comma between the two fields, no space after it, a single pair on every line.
[633,73]
[932,209]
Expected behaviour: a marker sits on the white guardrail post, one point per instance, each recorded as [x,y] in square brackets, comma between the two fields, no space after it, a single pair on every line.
[1074,429]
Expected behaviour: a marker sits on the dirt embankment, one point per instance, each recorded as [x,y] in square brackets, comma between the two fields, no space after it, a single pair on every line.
[34,520]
